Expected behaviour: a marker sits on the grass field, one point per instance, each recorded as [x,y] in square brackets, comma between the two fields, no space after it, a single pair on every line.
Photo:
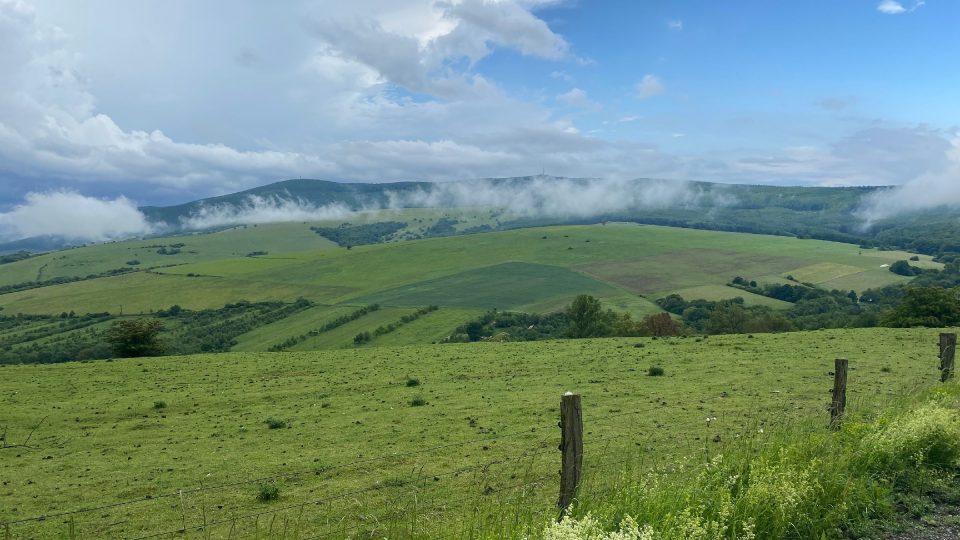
[485,436]
[535,270]
[501,286]
[722,292]
[277,239]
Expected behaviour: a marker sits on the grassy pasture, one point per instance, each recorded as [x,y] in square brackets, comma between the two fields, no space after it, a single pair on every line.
[821,272]
[233,244]
[342,336]
[723,292]
[535,269]
[875,277]
[236,242]
[260,339]
[506,285]
[429,328]
[104,440]
[687,268]
[142,292]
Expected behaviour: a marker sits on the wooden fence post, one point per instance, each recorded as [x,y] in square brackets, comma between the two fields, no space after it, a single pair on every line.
[839,402]
[948,347]
[571,446]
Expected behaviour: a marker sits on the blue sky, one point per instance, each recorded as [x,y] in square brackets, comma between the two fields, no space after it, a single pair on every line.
[165,101]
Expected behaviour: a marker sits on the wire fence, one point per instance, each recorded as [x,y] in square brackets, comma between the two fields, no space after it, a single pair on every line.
[412,492]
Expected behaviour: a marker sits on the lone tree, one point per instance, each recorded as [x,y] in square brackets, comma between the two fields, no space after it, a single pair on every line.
[661,325]
[135,338]
[587,318]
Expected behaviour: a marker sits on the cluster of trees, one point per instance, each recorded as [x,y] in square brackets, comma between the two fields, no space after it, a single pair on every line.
[171,249]
[587,318]
[725,317]
[444,226]
[68,337]
[348,235]
[14,257]
[36,339]
[584,317]
[903,268]
[925,306]
[339,321]
[365,337]
[510,326]
[813,308]
[216,330]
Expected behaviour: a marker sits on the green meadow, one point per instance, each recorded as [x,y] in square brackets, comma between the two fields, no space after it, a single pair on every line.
[535,270]
[414,441]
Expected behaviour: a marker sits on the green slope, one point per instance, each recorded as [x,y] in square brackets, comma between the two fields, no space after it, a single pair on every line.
[103,441]
[535,269]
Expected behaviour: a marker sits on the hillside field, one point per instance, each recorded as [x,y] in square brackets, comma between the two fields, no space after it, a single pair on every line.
[534,269]
[351,454]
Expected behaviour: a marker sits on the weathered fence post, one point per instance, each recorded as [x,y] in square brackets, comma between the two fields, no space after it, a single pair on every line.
[839,402]
[948,347]
[571,446]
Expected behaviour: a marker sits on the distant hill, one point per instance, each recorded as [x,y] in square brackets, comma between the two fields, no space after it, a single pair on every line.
[825,213]
[36,244]
[315,192]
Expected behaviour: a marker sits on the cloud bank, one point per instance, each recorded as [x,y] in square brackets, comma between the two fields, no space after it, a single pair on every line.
[938,188]
[73,216]
[258,210]
[87,219]
[551,197]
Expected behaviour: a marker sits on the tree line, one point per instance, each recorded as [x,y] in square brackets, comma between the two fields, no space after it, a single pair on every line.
[335,323]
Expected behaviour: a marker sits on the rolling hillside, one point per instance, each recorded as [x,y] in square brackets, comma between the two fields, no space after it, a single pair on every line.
[627,266]
[826,213]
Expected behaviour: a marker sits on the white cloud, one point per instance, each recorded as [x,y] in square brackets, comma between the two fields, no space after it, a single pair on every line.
[890,7]
[262,210]
[547,196]
[650,86]
[51,125]
[505,23]
[578,98]
[73,216]
[561,75]
[934,188]
[676,24]
[893,7]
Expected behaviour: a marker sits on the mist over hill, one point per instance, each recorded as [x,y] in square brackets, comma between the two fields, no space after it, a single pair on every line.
[846,214]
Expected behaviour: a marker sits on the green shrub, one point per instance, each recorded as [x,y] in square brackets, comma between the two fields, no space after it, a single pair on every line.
[411,382]
[268,491]
[418,401]
[655,371]
[160,404]
[274,423]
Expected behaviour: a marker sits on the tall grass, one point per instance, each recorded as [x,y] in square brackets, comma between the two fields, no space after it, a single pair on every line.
[805,482]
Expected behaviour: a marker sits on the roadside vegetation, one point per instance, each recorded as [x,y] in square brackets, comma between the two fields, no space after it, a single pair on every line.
[804,482]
